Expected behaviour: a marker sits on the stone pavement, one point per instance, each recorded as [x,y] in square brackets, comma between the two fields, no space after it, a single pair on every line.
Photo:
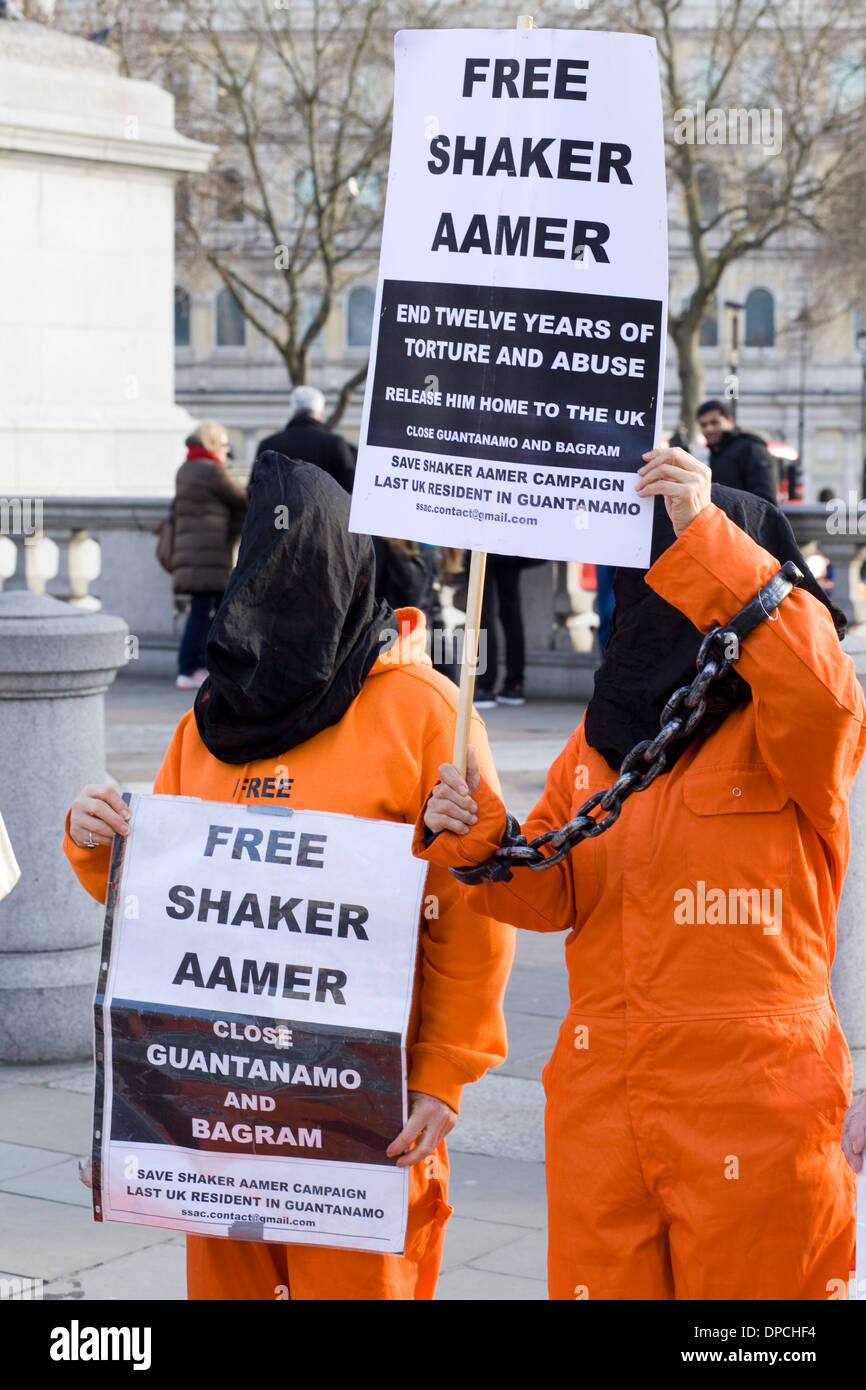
[495,1246]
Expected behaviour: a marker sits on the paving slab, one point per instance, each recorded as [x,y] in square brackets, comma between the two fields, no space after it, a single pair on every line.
[155,1274]
[466,1239]
[47,1240]
[47,1118]
[58,1183]
[498,1189]
[18,1159]
[470,1285]
[502,1116]
[529,1036]
[81,1081]
[37,1073]
[525,1258]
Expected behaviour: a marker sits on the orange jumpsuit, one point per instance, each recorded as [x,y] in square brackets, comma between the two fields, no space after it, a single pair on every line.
[696,1091]
[378,761]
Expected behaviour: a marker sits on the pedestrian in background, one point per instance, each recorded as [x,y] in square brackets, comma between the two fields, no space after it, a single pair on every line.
[737,459]
[502,600]
[209,511]
[306,438]
[407,576]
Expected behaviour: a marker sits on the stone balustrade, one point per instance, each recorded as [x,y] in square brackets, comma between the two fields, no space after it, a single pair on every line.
[100,552]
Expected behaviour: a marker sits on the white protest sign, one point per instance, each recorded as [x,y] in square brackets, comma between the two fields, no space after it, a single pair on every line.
[258,968]
[517,361]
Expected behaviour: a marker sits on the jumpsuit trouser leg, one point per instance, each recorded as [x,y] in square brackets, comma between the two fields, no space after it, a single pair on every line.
[697,1160]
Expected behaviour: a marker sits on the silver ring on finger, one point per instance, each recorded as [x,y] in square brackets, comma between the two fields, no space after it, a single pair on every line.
[90,843]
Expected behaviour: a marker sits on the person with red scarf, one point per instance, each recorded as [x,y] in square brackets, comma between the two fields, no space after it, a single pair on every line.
[209,511]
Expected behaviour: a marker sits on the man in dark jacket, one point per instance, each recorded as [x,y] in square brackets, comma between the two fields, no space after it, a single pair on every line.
[306,438]
[737,459]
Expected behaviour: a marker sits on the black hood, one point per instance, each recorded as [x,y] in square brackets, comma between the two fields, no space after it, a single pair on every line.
[299,626]
[653,647]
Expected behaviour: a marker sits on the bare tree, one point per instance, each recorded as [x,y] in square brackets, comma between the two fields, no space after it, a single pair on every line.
[775,61]
[297,99]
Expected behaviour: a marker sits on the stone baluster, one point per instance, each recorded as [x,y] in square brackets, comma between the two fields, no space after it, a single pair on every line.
[57,662]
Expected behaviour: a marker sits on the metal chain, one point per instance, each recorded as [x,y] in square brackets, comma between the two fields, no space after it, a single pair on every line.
[680,722]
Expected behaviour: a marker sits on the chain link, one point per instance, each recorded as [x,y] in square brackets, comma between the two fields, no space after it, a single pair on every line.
[680,722]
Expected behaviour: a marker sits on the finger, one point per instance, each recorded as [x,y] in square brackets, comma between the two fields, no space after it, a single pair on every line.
[445,797]
[423,1149]
[858,1140]
[854,1159]
[449,775]
[439,823]
[116,802]
[679,455]
[452,798]
[88,827]
[408,1134]
[448,806]
[664,487]
[666,469]
[102,811]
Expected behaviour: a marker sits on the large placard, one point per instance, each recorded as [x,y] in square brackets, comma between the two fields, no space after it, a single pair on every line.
[251,1017]
[518,352]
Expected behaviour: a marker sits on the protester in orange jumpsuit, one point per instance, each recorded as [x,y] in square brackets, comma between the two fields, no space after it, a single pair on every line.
[697,1088]
[309,690]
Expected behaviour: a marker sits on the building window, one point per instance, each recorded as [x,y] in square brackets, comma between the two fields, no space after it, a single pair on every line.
[360,317]
[709,333]
[231,326]
[760,319]
[304,192]
[226,101]
[182,201]
[365,191]
[709,191]
[176,80]
[847,85]
[230,196]
[760,192]
[310,305]
[182,337]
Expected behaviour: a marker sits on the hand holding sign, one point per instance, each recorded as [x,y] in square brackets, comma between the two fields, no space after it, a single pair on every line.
[682,480]
[96,814]
[451,806]
[430,1121]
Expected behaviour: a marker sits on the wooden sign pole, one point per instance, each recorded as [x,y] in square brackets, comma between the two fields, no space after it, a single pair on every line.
[477,569]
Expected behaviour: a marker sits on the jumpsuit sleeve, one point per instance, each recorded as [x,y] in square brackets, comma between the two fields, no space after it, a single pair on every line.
[465,961]
[91,866]
[809,705]
[537,901]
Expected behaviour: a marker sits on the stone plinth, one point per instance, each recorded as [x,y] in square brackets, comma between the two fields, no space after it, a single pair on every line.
[56,662]
[88,163]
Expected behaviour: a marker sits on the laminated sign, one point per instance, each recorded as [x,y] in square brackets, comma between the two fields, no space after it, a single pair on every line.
[517,359]
[251,1017]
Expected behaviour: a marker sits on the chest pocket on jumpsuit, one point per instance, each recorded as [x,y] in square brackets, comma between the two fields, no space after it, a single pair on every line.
[740,827]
